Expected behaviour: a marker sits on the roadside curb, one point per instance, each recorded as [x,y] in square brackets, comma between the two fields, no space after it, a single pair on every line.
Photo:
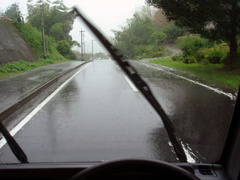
[6,113]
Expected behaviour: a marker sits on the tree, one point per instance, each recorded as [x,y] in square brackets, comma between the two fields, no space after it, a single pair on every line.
[63,47]
[213,19]
[132,40]
[160,19]
[13,12]
[58,23]
[56,31]
[173,32]
[56,19]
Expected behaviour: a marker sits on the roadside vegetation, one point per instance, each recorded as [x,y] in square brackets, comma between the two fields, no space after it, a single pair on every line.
[58,23]
[145,34]
[206,59]
[209,51]
[217,74]
[9,69]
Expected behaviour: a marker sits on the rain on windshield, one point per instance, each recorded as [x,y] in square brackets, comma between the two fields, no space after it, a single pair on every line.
[64,97]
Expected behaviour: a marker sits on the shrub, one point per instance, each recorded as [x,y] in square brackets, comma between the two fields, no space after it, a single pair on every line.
[71,55]
[157,54]
[189,60]
[205,61]
[216,56]
[157,36]
[63,47]
[177,58]
[200,56]
[191,44]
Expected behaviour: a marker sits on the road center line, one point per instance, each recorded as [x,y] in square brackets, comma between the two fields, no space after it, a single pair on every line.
[131,84]
[39,107]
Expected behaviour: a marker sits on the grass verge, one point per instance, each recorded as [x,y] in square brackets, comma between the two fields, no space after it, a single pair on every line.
[10,69]
[212,73]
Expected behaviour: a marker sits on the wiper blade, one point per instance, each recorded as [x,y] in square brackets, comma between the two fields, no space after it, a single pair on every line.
[141,85]
[16,149]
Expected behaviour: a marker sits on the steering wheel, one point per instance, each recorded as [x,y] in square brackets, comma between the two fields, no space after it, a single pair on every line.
[134,169]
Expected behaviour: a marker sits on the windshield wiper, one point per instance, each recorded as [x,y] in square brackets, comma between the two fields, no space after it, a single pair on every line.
[141,85]
[16,149]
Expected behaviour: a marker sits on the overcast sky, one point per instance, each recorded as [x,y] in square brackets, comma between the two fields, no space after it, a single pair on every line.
[105,14]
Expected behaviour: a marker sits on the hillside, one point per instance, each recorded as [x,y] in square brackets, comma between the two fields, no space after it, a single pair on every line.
[12,46]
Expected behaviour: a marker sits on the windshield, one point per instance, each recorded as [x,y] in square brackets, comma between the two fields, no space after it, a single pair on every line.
[66,96]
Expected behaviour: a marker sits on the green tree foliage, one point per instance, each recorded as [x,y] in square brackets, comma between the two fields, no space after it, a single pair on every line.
[34,38]
[158,37]
[63,47]
[173,32]
[139,36]
[213,19]
[13,13]
[57,22]
[53,15]
[191,44]
[56,31]
[201,50]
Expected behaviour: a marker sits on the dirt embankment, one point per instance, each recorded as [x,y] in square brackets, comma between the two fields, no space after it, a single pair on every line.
[12,46]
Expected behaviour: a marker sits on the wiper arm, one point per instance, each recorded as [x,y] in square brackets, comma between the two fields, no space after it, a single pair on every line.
[141,85]
[16,149]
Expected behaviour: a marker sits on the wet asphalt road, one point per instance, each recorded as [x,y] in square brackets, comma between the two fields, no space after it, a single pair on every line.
[18,86]
[99,116]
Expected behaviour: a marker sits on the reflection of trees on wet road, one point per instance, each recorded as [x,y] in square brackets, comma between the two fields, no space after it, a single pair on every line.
[200,116]
[67,94]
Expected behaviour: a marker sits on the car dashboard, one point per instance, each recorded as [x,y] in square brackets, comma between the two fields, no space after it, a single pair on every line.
[64,171]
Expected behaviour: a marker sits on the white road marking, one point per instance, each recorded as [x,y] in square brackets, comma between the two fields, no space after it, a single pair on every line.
[38,108]
[131,84]
[231,96]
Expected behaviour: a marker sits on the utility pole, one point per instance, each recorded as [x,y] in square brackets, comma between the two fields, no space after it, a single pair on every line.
[92,50]
[84,49]
[82,43]
[43,36]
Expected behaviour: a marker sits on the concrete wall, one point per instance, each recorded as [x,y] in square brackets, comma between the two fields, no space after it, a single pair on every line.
[12,46]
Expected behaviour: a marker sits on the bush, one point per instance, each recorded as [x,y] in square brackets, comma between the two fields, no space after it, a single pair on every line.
[71,55]
[200,56]
[157,54]
[205,61]
[64,48]
[177,58]
[189,60]
[216,56]
[191,44]
[157,36]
